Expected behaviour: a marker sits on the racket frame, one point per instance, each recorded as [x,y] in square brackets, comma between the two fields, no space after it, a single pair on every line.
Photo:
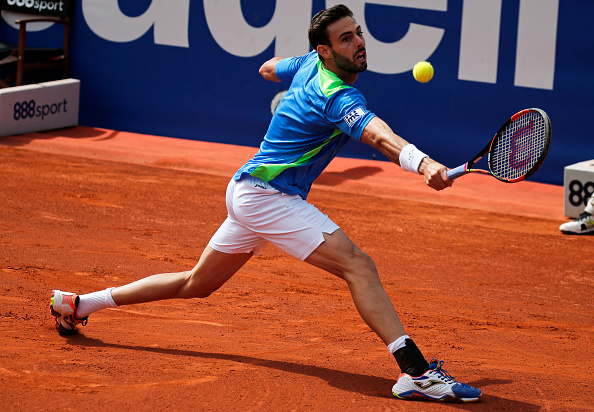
[488,149]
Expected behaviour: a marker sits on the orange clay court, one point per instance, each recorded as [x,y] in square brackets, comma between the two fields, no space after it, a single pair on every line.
[480,275]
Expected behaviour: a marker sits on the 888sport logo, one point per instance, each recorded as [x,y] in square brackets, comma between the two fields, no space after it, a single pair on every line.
[29,109]
[580,192]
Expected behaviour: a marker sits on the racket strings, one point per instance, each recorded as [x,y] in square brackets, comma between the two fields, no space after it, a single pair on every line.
[519,147]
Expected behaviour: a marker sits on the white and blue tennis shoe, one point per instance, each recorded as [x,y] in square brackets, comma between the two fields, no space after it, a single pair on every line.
[436,384]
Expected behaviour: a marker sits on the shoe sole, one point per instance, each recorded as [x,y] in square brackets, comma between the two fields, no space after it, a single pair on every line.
[61,330]
[583,232]
[416,396]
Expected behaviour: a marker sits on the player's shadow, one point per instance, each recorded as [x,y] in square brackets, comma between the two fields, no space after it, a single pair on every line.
[77,132]
[352,382]
[354,173]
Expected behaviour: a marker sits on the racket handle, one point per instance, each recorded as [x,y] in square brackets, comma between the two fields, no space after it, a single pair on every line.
[457,172]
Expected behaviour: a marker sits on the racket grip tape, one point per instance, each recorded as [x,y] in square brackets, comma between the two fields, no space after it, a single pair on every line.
[457,172]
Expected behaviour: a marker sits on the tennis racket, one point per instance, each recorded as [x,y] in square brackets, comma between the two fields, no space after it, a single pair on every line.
[516,151]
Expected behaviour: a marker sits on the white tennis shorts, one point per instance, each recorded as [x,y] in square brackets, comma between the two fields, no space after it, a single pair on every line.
[258,214]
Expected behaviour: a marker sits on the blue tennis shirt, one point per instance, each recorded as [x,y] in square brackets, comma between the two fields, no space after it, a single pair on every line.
[311,124]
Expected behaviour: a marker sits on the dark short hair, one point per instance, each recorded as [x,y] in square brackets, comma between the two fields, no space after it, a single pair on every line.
[318,33]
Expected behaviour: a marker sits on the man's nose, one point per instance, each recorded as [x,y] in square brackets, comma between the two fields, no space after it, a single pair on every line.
[360,42]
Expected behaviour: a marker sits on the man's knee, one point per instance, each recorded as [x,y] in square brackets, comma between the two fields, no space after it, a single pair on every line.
[361,267]
[195,286]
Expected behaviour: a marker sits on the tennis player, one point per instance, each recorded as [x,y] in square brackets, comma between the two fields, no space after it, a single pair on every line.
[266,203]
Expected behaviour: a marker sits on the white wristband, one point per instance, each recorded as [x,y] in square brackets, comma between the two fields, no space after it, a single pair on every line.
[411,158]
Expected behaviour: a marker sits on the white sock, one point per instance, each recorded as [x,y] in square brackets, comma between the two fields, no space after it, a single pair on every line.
[590,207]
[92,302]
[397,344]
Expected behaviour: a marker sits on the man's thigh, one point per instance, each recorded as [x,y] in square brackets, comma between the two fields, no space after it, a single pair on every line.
[340,256]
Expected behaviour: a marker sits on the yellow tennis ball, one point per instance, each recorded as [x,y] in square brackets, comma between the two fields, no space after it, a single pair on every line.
[423,72]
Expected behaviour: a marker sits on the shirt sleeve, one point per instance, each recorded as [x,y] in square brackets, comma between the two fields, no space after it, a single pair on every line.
[286,69]
[347,109]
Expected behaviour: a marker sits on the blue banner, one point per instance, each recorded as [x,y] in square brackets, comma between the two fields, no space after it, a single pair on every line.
[190,69]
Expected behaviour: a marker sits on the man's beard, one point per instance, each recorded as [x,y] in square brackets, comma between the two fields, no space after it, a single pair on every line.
[349,66]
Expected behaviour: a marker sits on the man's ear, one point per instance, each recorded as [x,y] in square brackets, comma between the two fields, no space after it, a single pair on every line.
[324,51]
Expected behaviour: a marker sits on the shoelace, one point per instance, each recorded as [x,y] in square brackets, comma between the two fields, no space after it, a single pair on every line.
[582,218]
[72,321]
[447,377]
